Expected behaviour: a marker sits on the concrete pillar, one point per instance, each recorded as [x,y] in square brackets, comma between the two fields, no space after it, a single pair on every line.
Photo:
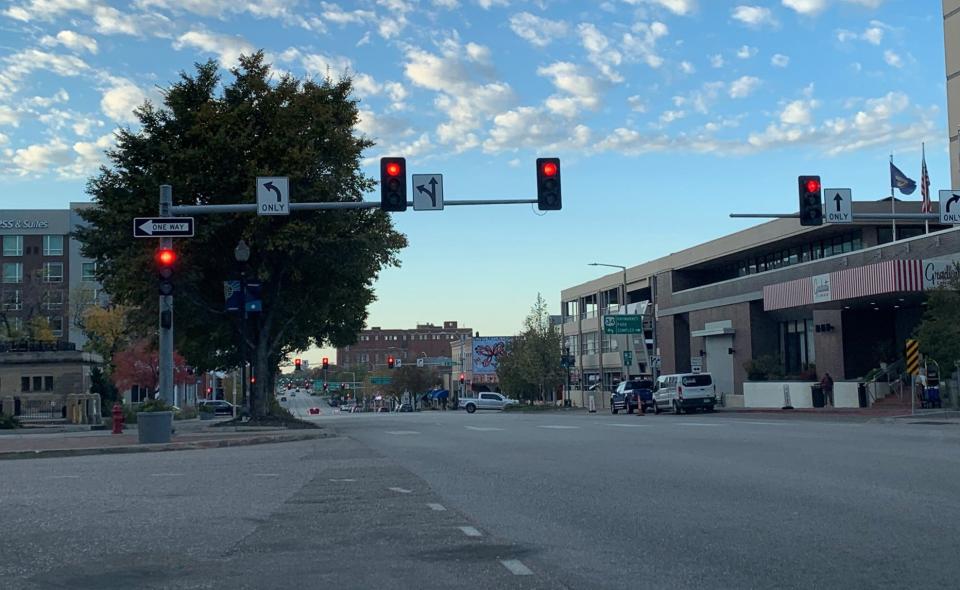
[828,344]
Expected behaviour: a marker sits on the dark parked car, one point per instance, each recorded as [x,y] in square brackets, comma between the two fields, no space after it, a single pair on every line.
[220,407]
[630,394]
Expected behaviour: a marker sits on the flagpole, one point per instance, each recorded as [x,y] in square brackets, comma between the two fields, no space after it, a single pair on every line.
[893,203]
[924,188]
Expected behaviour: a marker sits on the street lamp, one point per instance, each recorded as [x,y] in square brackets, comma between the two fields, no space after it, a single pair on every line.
[242,255]
[623,297]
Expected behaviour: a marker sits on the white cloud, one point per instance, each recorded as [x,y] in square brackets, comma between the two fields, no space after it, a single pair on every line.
[488,4]
[40,157]
[600,52]
[798,112]
[90,155]
[668,117]
[637,104]
[716,60]
[892,58]
[754,16]
[228,48]
[681,7]
[806,7]
[537,30]
[111,21]
[397,21]
[581,90]
[20,64]
[120,100]
[448,4]
[46,9]
[641,43]
[780,60]
[746,52]
[872,34]
[743,86]
[333,13]
[529,127]
[71,40]
[687,67]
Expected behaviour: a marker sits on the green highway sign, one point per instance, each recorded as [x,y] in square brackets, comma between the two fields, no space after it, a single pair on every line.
[628,357]
[623,324]
[381,380]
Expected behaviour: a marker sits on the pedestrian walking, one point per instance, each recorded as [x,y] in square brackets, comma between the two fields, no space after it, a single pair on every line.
[826,383]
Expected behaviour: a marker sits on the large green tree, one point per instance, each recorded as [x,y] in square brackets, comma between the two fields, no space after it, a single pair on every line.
[531,367]
[939,333]
[210,140]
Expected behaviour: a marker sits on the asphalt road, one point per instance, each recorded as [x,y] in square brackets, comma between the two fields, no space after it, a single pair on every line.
[450,500]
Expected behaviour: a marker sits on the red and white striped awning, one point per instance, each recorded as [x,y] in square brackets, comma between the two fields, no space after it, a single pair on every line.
[890,276]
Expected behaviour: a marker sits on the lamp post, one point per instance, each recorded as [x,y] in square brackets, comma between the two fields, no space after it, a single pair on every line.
[242,255]
[623,298]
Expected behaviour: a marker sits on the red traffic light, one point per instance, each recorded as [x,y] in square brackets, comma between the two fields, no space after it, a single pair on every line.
[813,185]
[549,169]
[166,257]
[393,169]
[253,379]
[296,363]
[462,379]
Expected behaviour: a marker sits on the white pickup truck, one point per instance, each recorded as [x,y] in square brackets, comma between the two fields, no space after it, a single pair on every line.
[485,401]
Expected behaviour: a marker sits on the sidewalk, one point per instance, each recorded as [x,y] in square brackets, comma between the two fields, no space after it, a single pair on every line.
[67,444]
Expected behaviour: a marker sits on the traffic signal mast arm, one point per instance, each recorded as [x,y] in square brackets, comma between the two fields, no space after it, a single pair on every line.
[252,207]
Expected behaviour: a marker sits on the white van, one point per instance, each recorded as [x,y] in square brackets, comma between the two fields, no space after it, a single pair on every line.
[684,392]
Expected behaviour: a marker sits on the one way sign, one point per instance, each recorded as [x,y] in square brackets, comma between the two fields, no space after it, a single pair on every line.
[163,227]
[838,205]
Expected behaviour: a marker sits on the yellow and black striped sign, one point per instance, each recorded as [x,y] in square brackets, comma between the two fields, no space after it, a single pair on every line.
[913,357]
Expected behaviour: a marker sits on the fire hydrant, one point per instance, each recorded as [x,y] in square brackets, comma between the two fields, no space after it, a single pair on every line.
[117,418]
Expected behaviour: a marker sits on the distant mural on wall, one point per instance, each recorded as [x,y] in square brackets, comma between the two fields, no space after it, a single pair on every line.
[486,352]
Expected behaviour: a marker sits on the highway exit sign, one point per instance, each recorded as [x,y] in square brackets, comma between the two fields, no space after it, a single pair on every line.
[623,324]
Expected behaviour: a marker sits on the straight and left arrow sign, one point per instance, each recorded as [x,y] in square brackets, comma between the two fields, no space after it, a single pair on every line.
[163,227]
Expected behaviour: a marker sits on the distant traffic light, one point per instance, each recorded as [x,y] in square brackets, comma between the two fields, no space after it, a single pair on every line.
[296,364]
[326,363]
[811,200]
[393,184]
[462,378]
[390,362]
[548,184]
[209,390]
[166,259]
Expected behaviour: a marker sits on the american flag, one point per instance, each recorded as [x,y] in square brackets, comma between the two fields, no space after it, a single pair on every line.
[925,206]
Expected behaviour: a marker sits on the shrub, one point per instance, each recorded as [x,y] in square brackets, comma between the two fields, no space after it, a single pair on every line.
[207,409]
[764,368]
[155,405]
[186,413]
[9,422]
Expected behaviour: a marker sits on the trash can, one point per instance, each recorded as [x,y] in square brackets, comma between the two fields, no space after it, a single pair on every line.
[816,392]
[862,394]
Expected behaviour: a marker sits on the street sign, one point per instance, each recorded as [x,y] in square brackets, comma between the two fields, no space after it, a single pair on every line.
[912,363]
[838,205]
[623,324]
[273,195]
[420,362]
[428,192]
[628,357]
[950,207]
[163,227]
[380,380]
[655,361]
[397,363]
[696,364]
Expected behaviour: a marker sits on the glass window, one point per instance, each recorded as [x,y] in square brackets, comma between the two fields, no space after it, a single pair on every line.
[48,383]
[88,271]
[52,272]
[24,383]
[589,343]
[697,380]
[611,343]
[53,245]
[53,300]
[37,384]
[13,245]
[12,272]
[56,325]
[11,300]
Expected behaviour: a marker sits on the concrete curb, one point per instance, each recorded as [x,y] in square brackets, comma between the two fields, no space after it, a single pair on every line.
[174,446]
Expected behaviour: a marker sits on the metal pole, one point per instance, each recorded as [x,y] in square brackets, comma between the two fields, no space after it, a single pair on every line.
[893,203]
[626,337]
[248,403]
[166,311]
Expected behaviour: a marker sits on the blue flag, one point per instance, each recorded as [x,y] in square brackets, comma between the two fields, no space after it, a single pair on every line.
[900,181]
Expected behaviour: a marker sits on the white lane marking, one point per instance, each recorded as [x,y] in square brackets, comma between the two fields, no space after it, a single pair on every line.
[400,490]
[697,424]
[266,475]
[757,422]
[516,567]
[402,432]
[166,475]
[342,479]
[436,507]
[482,428]
[558,427]
[628,425]
[64,477]
[470,531]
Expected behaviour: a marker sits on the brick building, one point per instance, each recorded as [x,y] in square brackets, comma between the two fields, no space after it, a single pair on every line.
[375,344]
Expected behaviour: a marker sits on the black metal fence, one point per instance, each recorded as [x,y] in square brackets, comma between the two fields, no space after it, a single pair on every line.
[36,346]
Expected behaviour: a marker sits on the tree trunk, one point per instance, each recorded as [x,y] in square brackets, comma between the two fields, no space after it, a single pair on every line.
[265,375]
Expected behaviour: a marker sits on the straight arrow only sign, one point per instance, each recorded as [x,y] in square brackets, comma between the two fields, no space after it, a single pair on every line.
[839,205]
[163,227]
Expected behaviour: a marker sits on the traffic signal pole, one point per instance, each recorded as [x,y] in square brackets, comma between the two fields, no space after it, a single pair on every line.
[166,312]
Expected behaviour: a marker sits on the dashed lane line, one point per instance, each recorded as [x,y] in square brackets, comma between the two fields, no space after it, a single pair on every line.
[402,432]
[436,507]
[516,567]
[470,531]
[559,427]
[482,428]
[400,490]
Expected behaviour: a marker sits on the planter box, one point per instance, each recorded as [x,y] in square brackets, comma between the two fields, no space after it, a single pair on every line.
[769,394]
[154,427]
[207,415]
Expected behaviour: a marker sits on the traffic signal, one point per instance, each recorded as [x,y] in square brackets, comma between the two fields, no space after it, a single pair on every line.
[209,390]
[548,184]
[166,259]
[326,363]
[253,379]
[296,364]
[393,184]
[811,200]
[390,362]
[462,378]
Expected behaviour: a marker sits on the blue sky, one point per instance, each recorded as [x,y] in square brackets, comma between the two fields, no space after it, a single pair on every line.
[668,115]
